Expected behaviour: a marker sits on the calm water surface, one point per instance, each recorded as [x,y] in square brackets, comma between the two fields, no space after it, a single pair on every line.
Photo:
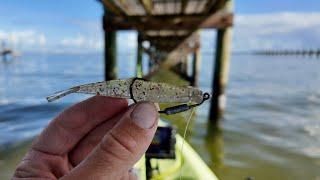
[271,128]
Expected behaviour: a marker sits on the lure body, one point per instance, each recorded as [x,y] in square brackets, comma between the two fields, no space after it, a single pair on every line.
[137,89]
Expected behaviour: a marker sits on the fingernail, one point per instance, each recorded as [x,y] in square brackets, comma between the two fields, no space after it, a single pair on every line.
[144,115]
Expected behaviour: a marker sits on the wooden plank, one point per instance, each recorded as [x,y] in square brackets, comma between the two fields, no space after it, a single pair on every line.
[109,5]
[164,38]
[221,19]
[166,43]
[147,5]
[184,4]
[210,4]
[182,68]
[196,67]
[215,5]
[130,8]
[184,48]
[174,22]
[224,17]
[166,33]
[164,47]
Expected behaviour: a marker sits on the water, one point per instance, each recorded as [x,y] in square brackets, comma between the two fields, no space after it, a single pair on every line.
[271,128]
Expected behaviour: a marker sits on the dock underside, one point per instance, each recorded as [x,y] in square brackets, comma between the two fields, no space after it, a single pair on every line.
[168,34]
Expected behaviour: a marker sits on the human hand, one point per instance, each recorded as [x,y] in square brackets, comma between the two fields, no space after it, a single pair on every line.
[99,138]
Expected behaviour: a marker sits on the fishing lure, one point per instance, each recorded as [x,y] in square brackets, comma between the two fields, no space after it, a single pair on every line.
[139,89]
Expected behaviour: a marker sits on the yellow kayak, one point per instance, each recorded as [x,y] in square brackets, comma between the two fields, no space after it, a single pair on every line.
[187,163]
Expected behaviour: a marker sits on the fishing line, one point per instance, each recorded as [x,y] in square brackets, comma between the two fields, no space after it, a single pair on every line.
[183,141]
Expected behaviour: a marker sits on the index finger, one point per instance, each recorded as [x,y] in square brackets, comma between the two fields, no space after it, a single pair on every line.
[69,127]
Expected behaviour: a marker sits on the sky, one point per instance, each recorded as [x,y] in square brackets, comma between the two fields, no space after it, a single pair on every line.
[74,26]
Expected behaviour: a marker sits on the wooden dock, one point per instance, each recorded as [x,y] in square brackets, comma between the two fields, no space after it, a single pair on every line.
[304,53]
[171,29]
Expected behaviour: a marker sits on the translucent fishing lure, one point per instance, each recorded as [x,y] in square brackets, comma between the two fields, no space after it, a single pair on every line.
[141,90]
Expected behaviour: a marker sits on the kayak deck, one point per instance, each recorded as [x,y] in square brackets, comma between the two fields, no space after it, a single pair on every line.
[193,167]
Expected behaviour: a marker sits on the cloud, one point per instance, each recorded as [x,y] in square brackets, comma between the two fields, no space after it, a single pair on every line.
[94,42]
[81,43]
[77,41]
[87,25]
[285,30]
[42,40]
[35,41]
[88,37]
[24,39]
[284,22]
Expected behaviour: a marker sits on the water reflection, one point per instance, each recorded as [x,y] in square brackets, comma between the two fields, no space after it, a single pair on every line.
[214,144]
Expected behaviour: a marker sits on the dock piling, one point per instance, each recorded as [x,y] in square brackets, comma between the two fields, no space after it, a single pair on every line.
[196,67]
[221,70]
[110,53]
[150,64]
[184,65]
[139,70]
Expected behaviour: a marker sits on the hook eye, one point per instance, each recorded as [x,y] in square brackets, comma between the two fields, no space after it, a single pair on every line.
[206,96]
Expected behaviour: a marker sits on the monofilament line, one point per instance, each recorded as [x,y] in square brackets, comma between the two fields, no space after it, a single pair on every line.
[183,140]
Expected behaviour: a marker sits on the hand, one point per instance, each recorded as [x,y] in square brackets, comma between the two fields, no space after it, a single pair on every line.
[99,138]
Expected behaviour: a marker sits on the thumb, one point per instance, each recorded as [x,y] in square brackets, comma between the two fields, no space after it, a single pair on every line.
[122,146]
